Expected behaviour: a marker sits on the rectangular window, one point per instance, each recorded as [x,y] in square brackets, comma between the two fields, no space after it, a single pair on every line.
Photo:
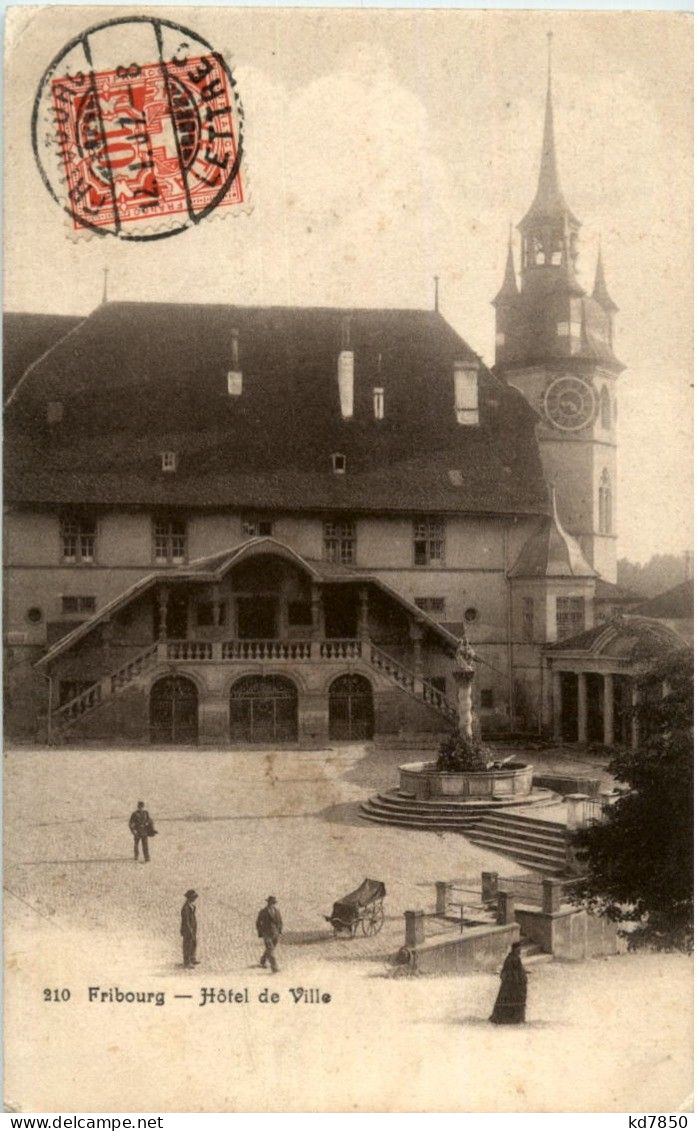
[562,329]
[299,613]
[429,541]
[211,614]
[255,527]
[169,537]
[78,539]
[379,403]
[466,394]
[528,619]
[430,604]
[72,604]
[340,541]
[169,461]
[486,698]
[570,616]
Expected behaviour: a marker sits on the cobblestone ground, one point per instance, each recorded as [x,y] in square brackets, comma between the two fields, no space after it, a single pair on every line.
[238,826]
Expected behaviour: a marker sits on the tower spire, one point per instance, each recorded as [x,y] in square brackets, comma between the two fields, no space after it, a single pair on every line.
[509,287]
[549,198]
[600,291]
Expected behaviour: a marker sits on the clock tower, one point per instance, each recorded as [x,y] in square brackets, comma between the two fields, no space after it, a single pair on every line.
[555,344]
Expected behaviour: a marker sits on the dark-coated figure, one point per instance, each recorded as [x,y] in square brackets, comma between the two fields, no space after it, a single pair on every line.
[189,928]
[270,929]
[509,1008]
[141,826]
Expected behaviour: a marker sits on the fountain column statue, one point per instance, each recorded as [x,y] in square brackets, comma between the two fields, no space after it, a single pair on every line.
[464,675]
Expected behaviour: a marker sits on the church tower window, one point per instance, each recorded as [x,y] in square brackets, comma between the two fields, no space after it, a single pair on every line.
[605,503]
[605,410]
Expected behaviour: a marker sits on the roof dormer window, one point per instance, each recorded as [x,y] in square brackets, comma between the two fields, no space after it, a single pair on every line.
[169,461]
[339,463]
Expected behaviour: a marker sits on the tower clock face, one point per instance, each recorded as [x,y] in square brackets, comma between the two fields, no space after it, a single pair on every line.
[569,403]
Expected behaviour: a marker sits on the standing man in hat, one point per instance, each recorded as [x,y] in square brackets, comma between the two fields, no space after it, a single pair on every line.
[270,929]
[141,826]
[188,928]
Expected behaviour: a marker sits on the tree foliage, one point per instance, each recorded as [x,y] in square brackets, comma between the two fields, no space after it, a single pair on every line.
[639,862]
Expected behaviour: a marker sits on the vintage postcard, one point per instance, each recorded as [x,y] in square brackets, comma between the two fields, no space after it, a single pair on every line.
[348,572]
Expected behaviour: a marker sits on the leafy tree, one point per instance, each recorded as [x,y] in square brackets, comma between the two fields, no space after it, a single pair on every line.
[639,861]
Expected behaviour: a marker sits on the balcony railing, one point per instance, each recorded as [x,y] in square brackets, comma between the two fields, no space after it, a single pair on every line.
[220,651]
[267,650]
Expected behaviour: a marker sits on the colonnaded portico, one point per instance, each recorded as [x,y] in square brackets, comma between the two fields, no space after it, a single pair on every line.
[591,684]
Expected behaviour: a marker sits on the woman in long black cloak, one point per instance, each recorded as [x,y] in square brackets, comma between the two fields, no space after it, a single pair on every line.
[509,1008]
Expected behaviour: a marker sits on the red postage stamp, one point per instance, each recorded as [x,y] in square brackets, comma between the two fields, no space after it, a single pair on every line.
[146,142]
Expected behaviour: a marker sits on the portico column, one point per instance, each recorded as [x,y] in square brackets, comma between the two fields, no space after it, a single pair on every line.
[582,707]
[417,634]
[317,612]
[363,613]
[608,710]
[556,705]
[163,602]
[634,723]
[107,634]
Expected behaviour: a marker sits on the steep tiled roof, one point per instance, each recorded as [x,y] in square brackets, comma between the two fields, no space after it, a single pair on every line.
[609,591]
[25,337]
[136,379]
[675,604]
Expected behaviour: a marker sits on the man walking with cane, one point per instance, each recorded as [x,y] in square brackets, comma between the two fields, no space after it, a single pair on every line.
[270,929]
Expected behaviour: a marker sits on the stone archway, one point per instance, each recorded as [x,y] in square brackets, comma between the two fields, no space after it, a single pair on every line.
[174,711]
[263,708]
[351,713]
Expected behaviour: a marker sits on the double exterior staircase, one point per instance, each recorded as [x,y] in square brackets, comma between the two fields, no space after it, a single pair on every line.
[171,652]
[63,718]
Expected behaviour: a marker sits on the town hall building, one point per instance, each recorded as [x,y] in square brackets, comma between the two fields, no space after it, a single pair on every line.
[265,524]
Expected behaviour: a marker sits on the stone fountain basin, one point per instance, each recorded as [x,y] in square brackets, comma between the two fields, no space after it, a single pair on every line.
[423,781]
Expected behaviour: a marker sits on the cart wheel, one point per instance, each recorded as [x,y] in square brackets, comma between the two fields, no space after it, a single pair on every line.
[373,920]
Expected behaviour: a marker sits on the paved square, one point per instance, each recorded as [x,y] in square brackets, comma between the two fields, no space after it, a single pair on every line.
[247,824]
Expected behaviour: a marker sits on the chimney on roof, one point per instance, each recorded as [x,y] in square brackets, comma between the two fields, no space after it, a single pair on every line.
[345,370]
[234,377]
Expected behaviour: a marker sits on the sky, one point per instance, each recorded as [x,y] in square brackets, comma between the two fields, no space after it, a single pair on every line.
[384,147]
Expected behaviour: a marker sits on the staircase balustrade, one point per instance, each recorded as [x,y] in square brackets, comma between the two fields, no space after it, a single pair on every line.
[190,650]
[341,649]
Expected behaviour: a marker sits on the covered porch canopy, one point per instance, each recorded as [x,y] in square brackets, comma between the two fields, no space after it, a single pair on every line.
[242,602]
[591,679]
